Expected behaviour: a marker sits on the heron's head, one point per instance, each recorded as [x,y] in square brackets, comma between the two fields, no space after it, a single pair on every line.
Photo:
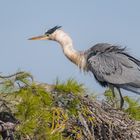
[51,34]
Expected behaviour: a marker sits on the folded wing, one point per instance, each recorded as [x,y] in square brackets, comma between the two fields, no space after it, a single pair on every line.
[113,65]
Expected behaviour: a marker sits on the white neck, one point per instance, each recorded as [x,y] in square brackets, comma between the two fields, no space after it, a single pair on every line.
[66,43]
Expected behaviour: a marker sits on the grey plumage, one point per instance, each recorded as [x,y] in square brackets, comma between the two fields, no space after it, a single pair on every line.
[112,65]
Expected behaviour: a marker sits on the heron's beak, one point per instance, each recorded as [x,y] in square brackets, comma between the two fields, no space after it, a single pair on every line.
[42,37]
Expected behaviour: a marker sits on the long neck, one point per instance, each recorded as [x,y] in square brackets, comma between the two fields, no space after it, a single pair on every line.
[73,55]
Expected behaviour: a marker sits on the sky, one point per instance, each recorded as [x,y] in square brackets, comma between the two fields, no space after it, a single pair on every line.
[87,22]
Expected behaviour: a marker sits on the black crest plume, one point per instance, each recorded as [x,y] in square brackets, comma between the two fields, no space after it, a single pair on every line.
[50,31]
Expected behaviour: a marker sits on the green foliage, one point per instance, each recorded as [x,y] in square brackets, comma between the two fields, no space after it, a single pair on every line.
[11,83]
[56,115]
[34,111]
[133,107]
[109,96]
[45,115]
[70,86]
[67,95]
[112,100]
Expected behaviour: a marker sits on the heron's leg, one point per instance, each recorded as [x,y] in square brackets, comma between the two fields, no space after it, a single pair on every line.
[121,98]
[113,100]
[112,89]
[114,95]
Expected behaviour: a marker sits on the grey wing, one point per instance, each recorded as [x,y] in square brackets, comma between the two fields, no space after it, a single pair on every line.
[115,68]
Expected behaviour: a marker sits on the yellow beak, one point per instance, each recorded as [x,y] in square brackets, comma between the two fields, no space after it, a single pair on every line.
[41,37]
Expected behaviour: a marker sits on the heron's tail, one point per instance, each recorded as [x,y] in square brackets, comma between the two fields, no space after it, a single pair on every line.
[131,88]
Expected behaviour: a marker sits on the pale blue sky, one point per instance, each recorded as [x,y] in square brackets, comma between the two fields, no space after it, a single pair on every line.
[88,22]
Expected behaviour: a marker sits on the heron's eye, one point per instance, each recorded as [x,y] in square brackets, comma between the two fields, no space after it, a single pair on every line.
[46,34]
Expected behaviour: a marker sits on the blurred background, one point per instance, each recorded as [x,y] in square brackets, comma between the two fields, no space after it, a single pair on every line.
[87,22]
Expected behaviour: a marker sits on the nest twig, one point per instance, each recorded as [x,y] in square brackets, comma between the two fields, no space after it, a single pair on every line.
[98,121]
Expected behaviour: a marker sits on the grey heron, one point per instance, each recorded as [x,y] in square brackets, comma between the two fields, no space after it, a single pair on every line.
[110,64]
